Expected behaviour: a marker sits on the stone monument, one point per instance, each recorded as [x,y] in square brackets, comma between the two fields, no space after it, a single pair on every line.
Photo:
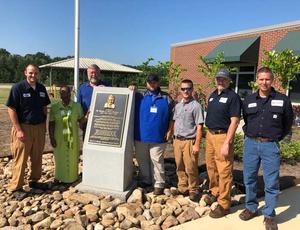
[108,143]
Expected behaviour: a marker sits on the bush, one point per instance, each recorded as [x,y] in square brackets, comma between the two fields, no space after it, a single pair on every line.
[238,146]
[289,151]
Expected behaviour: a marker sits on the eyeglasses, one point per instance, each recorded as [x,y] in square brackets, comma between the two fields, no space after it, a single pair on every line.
[189,89]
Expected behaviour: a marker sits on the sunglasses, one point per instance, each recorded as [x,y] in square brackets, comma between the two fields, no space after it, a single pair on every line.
[189,89]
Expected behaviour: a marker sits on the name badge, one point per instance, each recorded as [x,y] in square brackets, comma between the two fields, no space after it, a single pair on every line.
[252,105]
[42,94]
[223,99]
[211,99]
[153,109]
[277,103]
[26,95]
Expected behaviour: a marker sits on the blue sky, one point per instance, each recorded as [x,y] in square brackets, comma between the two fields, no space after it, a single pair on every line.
[130,31]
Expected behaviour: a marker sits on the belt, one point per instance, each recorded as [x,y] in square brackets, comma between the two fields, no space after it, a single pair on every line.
[217,131]
[183,138]
[262,139]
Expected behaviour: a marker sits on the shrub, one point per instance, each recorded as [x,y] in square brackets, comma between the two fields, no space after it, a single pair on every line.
[238,146]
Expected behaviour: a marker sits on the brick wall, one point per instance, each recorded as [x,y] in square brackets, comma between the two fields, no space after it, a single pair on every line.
[188,55]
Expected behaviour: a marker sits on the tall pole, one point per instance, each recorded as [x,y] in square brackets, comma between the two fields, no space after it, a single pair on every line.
[76,65]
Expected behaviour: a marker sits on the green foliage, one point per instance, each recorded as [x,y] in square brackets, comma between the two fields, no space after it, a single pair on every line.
[210,69]
[284,64]
[290,151]
[253,85]
[238,146]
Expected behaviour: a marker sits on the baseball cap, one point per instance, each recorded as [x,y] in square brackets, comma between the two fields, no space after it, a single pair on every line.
[152,78]
[223,73]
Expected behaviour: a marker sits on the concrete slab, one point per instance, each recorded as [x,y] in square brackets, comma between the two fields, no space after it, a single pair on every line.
[288,216]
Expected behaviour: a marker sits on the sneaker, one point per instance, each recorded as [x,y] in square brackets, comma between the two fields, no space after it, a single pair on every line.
[219,212]
[246,214]
[195,197]
[158,191]
[209,199]
[270,223]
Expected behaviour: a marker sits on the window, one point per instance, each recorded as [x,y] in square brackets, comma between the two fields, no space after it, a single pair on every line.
[295,90]
[241,79]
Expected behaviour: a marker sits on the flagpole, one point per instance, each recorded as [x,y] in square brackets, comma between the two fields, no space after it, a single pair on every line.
[76,55]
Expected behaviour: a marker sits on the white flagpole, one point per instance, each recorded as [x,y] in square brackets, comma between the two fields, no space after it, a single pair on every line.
[76,38]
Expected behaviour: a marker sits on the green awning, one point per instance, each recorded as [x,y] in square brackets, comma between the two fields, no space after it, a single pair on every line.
[239,50]
[290,41]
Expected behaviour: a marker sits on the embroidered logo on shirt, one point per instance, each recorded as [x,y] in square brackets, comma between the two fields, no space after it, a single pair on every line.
[26,95]
[211,99]
[277,103]
[42,94]
[251,105]
[223,99]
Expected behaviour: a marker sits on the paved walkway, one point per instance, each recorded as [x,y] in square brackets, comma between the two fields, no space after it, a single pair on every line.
[288,216]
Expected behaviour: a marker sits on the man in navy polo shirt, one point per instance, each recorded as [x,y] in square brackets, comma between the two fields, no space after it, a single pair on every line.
[27,110]
[153,117]
[222,119]
[85,92]
[268,117]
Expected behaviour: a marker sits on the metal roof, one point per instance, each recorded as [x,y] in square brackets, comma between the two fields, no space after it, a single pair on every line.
[290,41]
[84,63]
[241,33]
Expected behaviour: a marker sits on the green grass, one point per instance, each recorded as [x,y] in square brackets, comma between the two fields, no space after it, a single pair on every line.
[3,95]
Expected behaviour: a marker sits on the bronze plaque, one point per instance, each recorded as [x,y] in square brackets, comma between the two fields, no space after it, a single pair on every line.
[108,119]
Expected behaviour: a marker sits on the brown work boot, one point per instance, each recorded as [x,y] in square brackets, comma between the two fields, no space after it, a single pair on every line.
[209,199]
[246,214]
[219,212]
[270,223]
[194,196]
[158,191]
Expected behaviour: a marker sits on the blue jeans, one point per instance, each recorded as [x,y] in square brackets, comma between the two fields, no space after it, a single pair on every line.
[268,155]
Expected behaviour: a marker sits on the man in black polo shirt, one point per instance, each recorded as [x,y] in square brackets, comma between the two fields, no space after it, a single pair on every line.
[268,117]
[27,110]
[223,116]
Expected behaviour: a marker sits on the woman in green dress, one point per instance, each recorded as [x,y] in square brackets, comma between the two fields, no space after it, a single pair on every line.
[65,118]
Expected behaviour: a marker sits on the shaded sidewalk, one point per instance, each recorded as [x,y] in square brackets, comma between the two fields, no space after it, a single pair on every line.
[288,216]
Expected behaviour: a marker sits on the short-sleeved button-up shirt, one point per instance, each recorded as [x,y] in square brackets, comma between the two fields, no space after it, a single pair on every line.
[187,116]
[270,117]
[29,103]
[221,107]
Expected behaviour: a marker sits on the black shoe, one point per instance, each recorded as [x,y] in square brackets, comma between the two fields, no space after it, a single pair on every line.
[195,197]
[158,191]
[19,194]
[37,185]
[143,184]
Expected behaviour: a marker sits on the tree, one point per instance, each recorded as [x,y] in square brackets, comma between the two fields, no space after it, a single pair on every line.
[284,64]
[209,69]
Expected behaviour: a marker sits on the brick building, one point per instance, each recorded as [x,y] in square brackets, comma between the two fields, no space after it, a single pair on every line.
[243,50]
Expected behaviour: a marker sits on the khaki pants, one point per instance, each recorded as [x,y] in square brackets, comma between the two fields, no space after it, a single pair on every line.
[186,166]
[150,157]
[219,168]
[32,147]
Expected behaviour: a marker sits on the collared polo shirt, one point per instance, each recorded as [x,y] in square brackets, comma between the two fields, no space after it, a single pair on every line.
[153,112]
[221,107]
[85,92]
[29,103]
[187,116]
[270,117]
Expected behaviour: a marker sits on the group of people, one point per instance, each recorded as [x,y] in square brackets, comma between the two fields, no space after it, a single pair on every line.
[267,115]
